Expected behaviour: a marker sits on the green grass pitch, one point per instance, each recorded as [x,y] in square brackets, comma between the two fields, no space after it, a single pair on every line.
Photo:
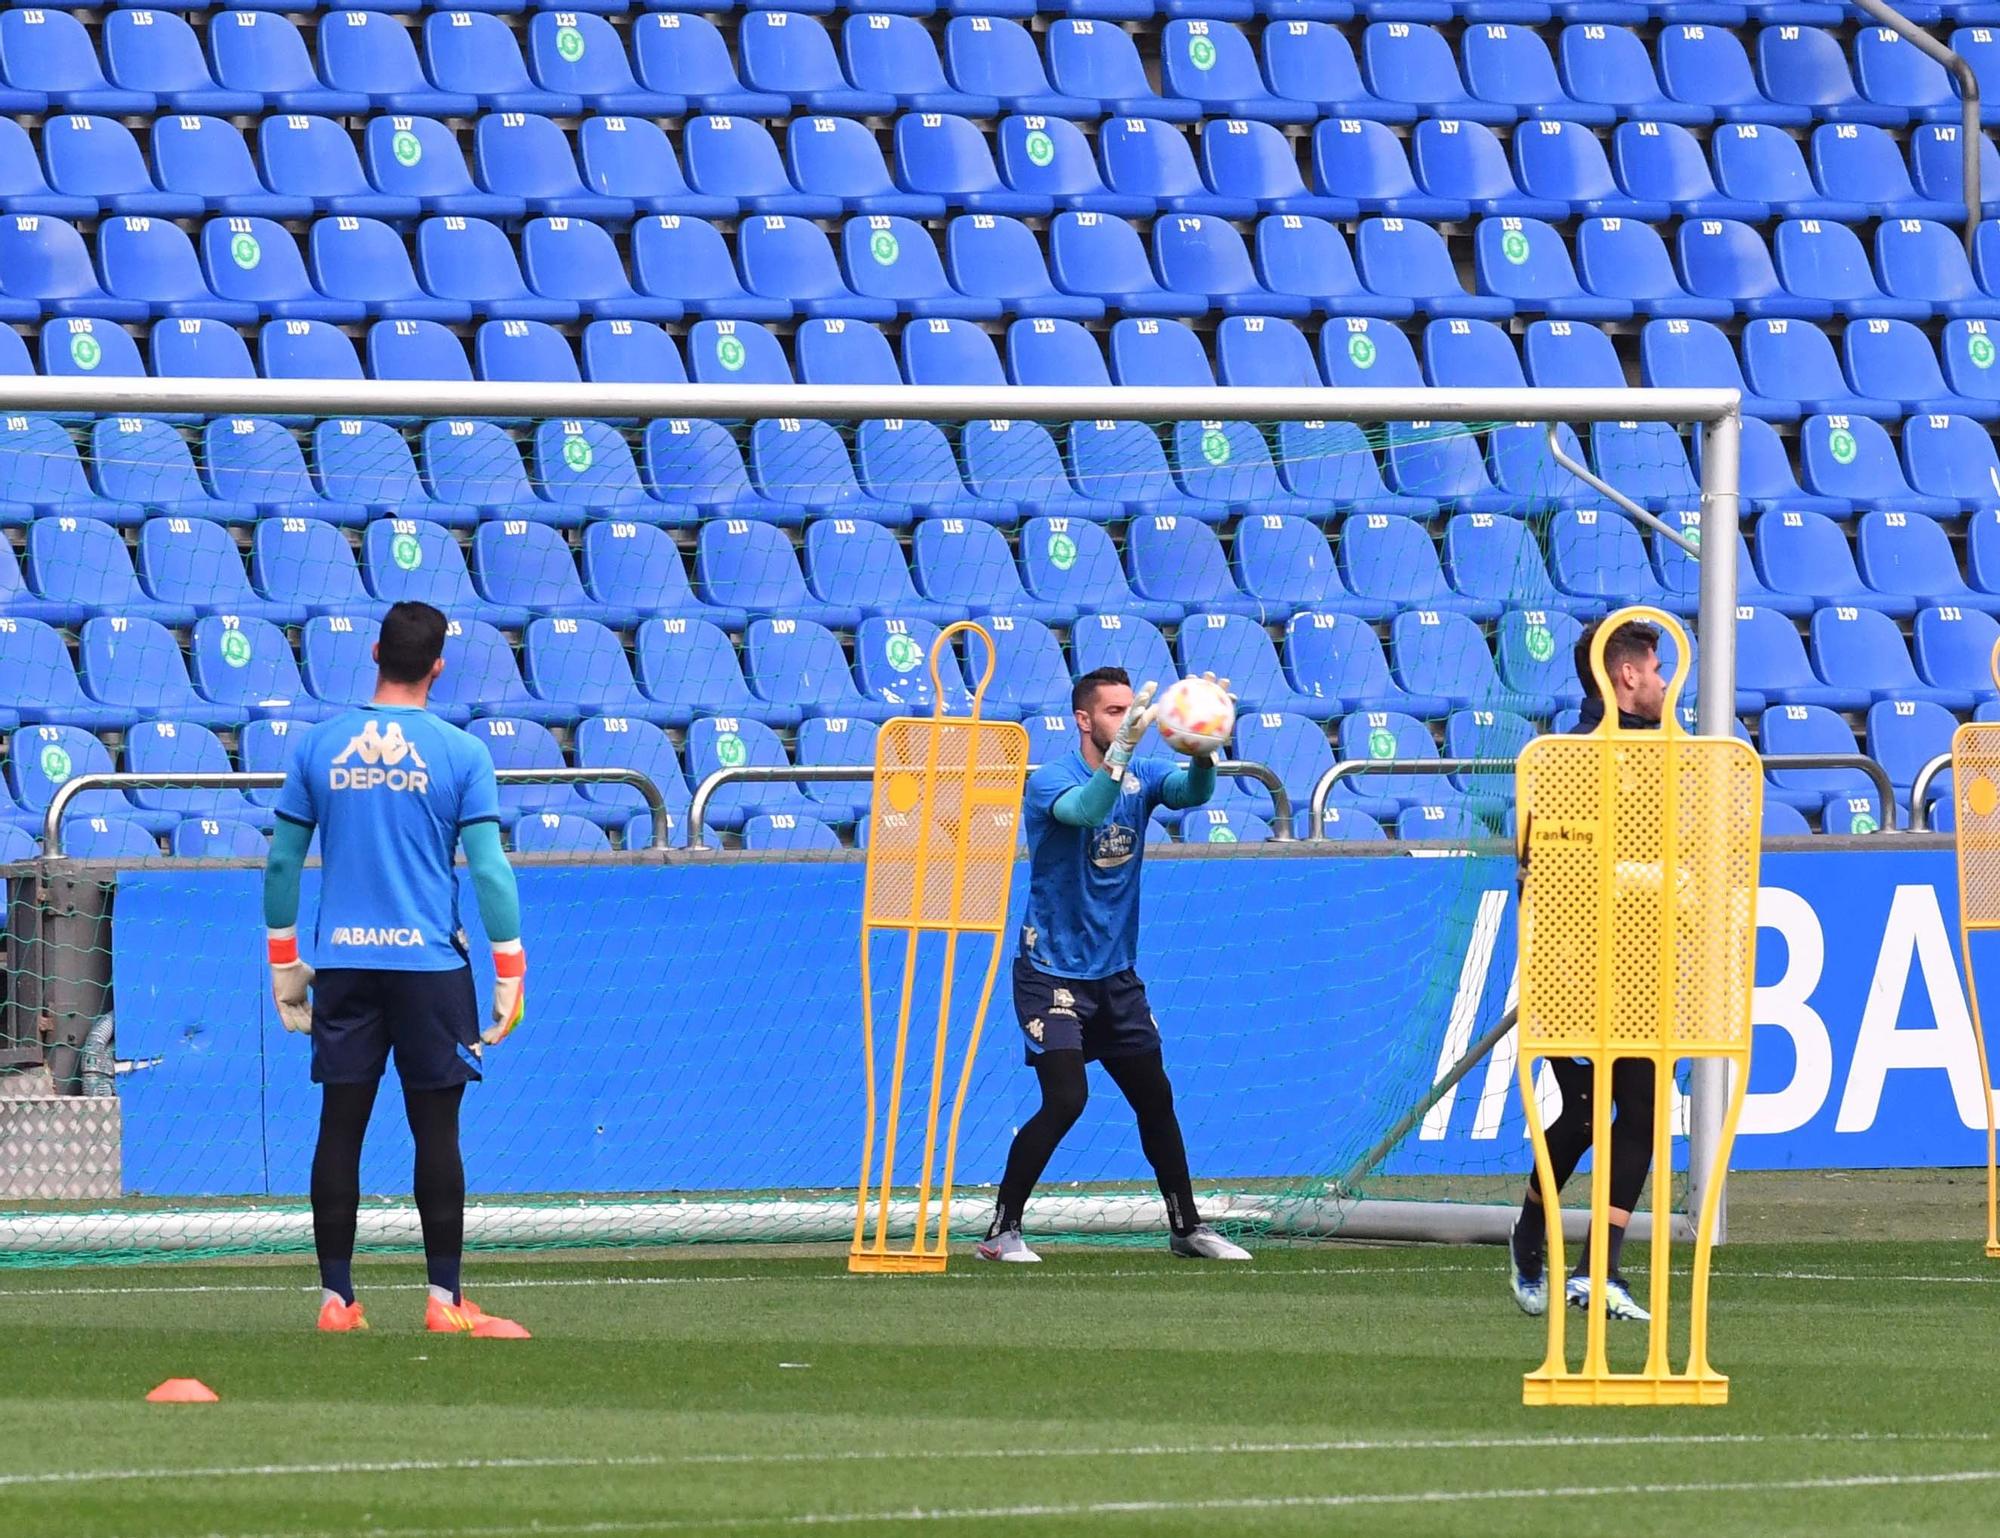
[1330,1389]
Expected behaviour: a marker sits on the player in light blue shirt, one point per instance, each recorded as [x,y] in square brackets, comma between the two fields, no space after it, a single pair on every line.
[393,792]
[1076,994]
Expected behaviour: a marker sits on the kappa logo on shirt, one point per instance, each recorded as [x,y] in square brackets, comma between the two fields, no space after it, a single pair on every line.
[383,755]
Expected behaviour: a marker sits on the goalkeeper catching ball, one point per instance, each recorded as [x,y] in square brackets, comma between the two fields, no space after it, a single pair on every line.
[393,791]
[1075,991]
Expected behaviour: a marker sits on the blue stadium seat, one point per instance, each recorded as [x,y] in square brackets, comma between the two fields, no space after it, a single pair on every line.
[1771,666]
[306,564]
[1100,62]
[889,259]
[1626,258]
[1364,160]
[1982,550]
[1861,650]
[559,833]
[697,466]
[727,742]
[1807,67]
[1179,561]
[633,569]
[1923,261]
[97,158]
[1599,557]
[217,838]
[1559,355]
[477,54]
[152,263]
[910,464]
[1952,456]
[1029,676]
[1337,658]
[1073,562]
[1229,465]
[83,562]
[951,352]
[1410,260]
[1293,747]
[791,55]
[1860,163]
[154,53]
[968,565]
[630,352]
[686,56]
[1211,64]
[995,56]
[363,260]
[579,55]
[1893,74]
[526,351]
[1801,729]
[243,666]
[523,155]
[860,567]
[416,349]
[1050,736]
[47,58]
[1390,561]
[1493,559]
[313,157]
[1973,41]
[1124,462]
[1117,641]
[580,666]
[1048,157]
[630,158]
[1149,160]
[108,838]
[1663,163]
[1954,648]
[686,258]
[943,157]
[1766,480]
[476,464]
[1818,260]
[802,467]
[1049,352]
[1206,258]
[1526,262]
[838,157]
[1385,734]
[42,758]
[1264,351]
[576,262]
[790,258]
[374,56]
[1797,358]
[1610,66]
[411,558]
[262,53]
[1706,66]
[1255,160]
[418,157]
[1893,359]
[1761,164]
[265,747]
[1448,822]
[1726,259]
[198,349]
[620,742]
[1911,560]
[183,747]
[370,463]
[23,187]
[1443,462]
[81,347]
[254,460]
[1968,351]
[1309,60]
[832,352]
[1238,648]
[1905,735]
[1104,259]
[1695,354]
[1534,649]
[787,833]
[519,743]
[192,566]
[1018,462]
[894,56]
[1157,352]
[1565,162]
[799,664]
[255,262]
[132,666]
[1852,458]
[1222,825]
[305,349]
[1463,162]
[689,669]
[1412,63]
[1333,465]
[1443,654]
[1519,460]
[1647,461]
[41,474]
[206,159]
[1511,66]
[750,566]
[1807,554]
[586,470]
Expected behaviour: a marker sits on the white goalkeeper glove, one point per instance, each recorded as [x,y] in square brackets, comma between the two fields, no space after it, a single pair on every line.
[510,1001]
[291,980]
[1137,719]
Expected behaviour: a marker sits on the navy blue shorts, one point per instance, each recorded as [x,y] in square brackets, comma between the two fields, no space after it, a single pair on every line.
[1102,1016]
[431,1019]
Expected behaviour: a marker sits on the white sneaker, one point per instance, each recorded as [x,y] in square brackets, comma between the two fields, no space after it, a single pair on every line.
[1532,1296]
[1007,1245]
[1618,1300]
[1203,1243]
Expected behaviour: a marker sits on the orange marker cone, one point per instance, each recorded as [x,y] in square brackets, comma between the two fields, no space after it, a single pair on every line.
[183,1391]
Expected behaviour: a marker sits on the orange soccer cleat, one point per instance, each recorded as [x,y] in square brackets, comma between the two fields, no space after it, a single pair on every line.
[466,1317]
[337,1318]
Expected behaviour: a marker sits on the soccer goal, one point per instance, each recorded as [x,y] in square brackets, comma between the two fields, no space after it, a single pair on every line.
[708,588]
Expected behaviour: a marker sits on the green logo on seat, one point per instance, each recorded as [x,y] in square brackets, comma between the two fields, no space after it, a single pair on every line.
[55,763]
[884,248]
[1215,446]
[1541,645]
[1360,351]
[407,551]
[1980,350]
[84,351]
[1381,743]
[904,655]
[407,148]
[236,648]
[1062,552]
[1841,445]
[245,252]
[1041,148]
[576,452]
[1220,835]
[729,353]
[1201,53]
[1862,822]
[729,750]
[1514,246]
[569,44]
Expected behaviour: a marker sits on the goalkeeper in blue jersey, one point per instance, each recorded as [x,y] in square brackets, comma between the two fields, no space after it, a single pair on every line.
[393,791]
[1075,991]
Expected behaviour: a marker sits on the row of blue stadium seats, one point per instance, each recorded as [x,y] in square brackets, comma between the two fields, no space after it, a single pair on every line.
[133,669]
[1381,564]
[565,62]
[888,266]
[1446,169]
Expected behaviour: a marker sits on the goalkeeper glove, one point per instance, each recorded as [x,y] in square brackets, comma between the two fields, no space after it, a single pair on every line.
[510,976]
[1137,719]
[291,978]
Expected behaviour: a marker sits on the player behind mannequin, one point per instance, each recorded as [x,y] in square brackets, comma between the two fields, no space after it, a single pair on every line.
[1632,662]
[1076,994]
[393,791]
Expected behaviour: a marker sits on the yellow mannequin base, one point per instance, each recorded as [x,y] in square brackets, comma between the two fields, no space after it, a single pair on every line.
[895,1262]
[1623,1388]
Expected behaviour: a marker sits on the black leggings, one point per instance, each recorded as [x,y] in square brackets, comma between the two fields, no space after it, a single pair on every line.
[1142,1079]
[438,1180]
[1631,1126]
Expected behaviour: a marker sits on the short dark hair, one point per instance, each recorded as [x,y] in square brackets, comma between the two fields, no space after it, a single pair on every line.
[412,639]
[1630,642]
[1085,692]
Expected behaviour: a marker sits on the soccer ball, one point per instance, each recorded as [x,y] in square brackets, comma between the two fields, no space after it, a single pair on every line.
[1195,716]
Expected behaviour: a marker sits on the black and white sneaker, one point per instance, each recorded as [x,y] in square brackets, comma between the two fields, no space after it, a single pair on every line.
[1203,1243]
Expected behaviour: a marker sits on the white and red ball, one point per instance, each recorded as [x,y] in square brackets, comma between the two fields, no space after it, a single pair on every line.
[1195,716]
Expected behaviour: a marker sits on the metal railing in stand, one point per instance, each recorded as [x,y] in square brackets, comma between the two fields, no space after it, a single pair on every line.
[1861,761]
[1968,99]
[1920,788]
[69,790]
[824,774]
[1350,768]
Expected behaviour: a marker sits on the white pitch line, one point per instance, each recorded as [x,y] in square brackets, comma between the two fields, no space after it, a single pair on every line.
[72,1477]
[1148,1508]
